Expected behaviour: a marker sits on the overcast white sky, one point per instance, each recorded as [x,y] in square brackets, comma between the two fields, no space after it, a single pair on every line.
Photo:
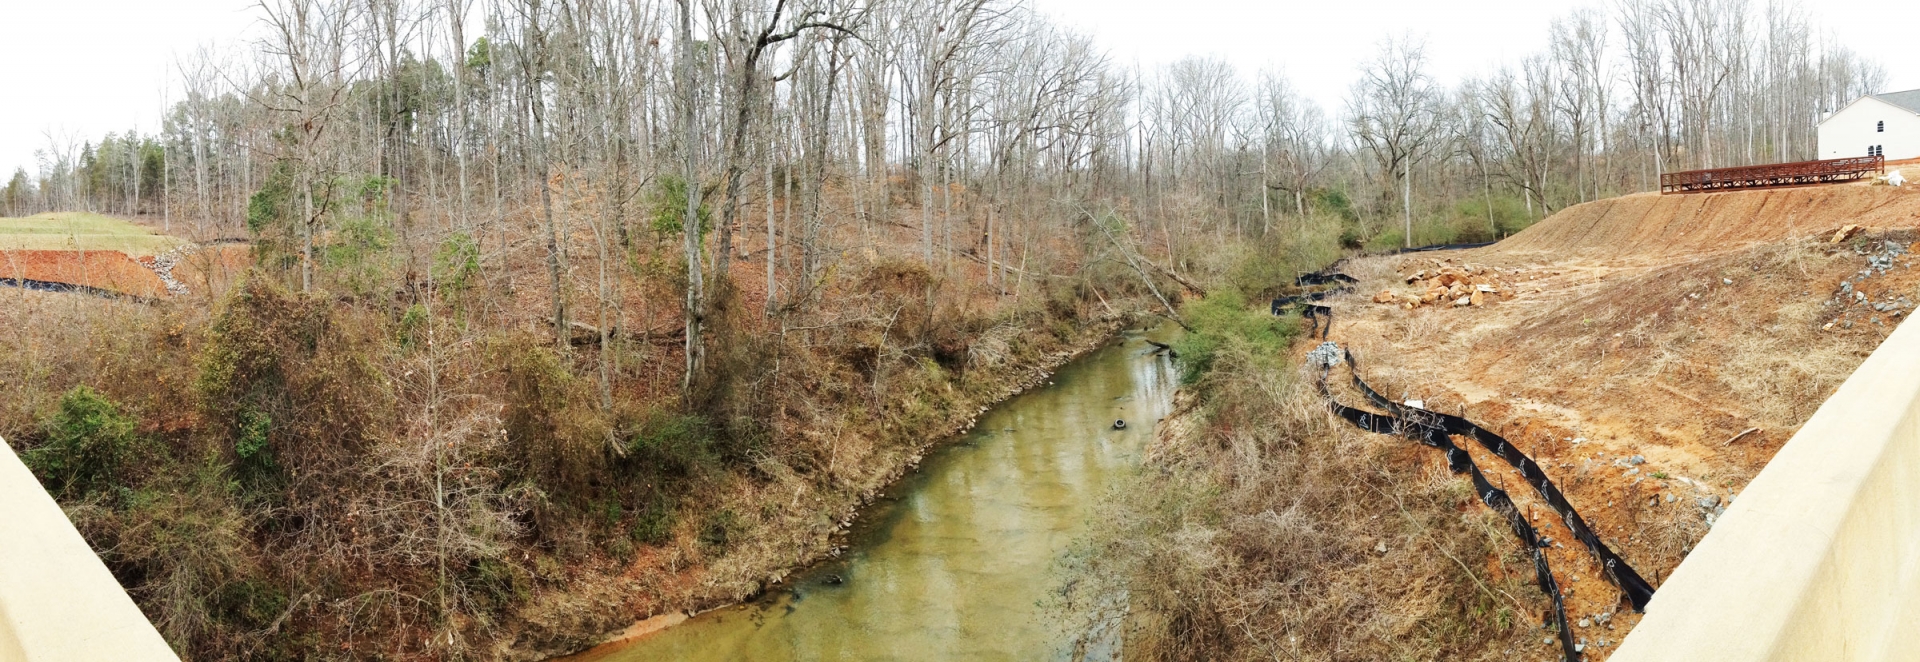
[77,69]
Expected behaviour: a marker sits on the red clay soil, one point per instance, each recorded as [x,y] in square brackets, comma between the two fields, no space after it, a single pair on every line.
[1654,227]
[107,270]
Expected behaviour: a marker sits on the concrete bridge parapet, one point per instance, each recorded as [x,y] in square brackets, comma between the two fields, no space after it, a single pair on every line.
[1819,557]
[58,602]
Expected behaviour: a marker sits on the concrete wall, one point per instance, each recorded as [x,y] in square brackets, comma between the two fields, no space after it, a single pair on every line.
[1850,131]
[57,600]
[1819,558]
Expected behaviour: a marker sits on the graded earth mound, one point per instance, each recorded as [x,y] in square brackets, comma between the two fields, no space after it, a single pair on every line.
[1656,227]
[108,255]
[105,270]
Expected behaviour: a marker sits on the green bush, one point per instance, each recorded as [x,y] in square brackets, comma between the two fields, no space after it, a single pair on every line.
[1388,240]
[1224,317]
[670,207]
[456,262]
[1296,246]
[87,445]
[654,524]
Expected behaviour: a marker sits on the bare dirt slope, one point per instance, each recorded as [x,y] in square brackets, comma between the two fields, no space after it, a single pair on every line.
[1629,345]
[1651,226]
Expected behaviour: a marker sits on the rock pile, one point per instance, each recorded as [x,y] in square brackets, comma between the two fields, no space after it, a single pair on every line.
[1448,283]
[1851,298]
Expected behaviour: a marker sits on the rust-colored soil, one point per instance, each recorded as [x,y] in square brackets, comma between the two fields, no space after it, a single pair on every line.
[1650,226]
[107,270]
[1642,336]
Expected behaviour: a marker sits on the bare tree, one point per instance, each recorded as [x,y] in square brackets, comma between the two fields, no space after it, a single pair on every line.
[1394,110]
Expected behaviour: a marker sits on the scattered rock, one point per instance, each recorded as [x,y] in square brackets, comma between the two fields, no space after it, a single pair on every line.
[1327,355]
[1385,296]
[1586,623]
[1726,281]
[1380,547]
[1708,501]
[1637,460]
[1454,283]
[1846,232]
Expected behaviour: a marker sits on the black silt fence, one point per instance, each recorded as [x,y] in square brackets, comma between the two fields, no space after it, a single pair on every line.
[51,286]
[1636,588]
[1324,277]
[1441,247]
[1320,316]
[1458,461]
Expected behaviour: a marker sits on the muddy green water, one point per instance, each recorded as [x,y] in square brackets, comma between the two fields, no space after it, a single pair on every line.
[959,560]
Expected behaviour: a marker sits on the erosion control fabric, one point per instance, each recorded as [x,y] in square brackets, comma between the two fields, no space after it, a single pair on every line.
[1436,430]
[1638,591]
[1321,316]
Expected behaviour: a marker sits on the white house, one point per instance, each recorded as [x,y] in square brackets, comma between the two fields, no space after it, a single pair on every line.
[1884,124]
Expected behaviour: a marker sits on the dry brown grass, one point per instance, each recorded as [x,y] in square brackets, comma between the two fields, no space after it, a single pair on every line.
[1266,531]
[1595,362]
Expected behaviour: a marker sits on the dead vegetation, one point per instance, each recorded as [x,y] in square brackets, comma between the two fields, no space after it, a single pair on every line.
[1266,532]
[361,475]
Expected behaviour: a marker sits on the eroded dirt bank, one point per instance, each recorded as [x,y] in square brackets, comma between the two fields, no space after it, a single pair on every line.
[1652,379]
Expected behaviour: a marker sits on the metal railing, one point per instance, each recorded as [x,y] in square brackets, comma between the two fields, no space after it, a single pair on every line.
[1802,173]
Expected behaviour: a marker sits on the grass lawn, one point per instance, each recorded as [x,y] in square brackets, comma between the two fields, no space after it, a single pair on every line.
[81,231]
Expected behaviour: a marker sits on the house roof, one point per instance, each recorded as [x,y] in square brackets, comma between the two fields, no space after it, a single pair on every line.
[1909,99]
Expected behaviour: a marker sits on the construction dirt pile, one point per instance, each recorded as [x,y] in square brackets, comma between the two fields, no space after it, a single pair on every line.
[1651,353]
[1652,226]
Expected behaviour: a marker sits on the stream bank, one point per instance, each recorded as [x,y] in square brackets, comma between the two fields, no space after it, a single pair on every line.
[956,560]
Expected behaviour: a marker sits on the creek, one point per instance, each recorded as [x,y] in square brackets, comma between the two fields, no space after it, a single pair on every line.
[961,559]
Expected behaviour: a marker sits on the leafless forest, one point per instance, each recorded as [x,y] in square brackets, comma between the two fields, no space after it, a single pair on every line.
[543,292]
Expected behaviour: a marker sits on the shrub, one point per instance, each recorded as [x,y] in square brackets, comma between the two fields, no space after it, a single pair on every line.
[670,207]
[680,444]
[286,383]
[722,529]
[88,441]
[1224,317]
[555,438]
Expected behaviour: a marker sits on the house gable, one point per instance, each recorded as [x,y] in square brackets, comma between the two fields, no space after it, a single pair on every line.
[1869,104]
[1871,125]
